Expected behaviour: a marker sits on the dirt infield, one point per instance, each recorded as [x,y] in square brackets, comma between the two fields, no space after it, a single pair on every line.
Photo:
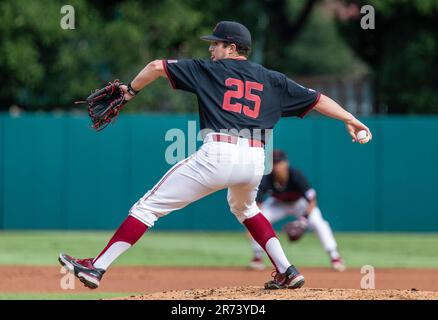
[228,283]
[257,293]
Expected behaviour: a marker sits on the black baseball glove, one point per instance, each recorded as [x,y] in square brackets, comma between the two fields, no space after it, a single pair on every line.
[296,229]
[104,104]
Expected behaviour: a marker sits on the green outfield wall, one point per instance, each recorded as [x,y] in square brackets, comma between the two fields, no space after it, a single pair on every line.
[57,173]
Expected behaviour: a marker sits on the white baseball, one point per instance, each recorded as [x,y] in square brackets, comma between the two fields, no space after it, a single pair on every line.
[362,135]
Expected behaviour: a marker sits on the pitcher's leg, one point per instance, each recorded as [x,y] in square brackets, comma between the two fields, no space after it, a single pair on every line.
[272,213]
[242,204]
[263,233]
[180,186]
[129,232]
[287,276]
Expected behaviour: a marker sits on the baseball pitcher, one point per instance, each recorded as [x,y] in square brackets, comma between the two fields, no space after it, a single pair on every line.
[235,96]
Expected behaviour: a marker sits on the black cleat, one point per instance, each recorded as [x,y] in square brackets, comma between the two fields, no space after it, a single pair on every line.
[83,269]
[291,279]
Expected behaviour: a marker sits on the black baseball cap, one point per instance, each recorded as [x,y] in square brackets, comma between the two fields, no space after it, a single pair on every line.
[230,31]
[278,156]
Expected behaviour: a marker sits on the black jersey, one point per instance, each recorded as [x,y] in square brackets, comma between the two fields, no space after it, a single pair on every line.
[296,188]
[239,94]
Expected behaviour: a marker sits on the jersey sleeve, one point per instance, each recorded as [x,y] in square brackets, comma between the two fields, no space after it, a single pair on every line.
[263,190]
[303,186]
[297,100]
[183,74]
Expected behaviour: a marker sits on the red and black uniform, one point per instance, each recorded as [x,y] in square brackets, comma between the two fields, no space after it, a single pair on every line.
[239,94]
[297,187]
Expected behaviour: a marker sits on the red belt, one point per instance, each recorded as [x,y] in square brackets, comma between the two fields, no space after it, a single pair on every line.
[233,139]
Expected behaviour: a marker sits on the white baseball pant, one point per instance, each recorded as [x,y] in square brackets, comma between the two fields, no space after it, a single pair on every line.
[215,166]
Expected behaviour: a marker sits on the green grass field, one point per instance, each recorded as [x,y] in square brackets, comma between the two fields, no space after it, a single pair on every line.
[210,249]
[219,249]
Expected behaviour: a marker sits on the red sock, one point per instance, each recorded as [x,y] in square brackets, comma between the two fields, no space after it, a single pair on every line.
[261,230]
[129,231]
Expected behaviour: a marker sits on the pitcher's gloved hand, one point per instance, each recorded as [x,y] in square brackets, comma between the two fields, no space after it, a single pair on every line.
[104,104]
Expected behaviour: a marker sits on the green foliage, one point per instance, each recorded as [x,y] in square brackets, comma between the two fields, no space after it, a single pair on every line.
[43,66]
[402,52]
[41,63]
[320,50]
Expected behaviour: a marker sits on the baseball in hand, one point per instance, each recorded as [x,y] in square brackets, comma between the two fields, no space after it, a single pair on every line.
[362,136]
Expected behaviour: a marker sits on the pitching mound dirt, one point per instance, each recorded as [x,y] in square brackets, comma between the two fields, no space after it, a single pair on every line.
[258,293]
[226,283]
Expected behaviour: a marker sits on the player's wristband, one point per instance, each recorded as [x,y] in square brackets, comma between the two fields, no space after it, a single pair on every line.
[131,91]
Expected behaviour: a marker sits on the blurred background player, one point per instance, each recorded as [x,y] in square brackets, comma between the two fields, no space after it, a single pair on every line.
[290,194]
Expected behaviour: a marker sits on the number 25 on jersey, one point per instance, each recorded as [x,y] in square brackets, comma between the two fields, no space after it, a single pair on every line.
[240,90]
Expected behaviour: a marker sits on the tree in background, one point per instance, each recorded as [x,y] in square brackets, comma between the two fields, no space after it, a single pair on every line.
[42,65]
[298,37]
[402,52]
[45,67]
